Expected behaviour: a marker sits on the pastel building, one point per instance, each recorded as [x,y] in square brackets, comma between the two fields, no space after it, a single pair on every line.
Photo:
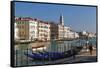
[72,35]
[33,29]
[60,31]
[16,32]
[61,28]
[66,32]
[22,28]
[43,30]
[26,28]
[91,34]
[84,33]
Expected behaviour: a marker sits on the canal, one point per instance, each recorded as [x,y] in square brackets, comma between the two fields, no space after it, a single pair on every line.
[53,46]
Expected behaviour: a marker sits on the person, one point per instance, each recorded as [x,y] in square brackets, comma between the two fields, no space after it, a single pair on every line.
[74,53]
[90,49]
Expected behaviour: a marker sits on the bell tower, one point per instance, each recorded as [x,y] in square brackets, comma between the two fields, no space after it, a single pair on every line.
[61,19]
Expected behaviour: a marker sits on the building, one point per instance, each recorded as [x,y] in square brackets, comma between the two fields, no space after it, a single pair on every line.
[84,33]
[76,35]
[53,30]
[43,30]
[61,28]
[16,31]
[60,31]
[61,20]
[66,32]
[33,29]
[26,28]
[91,35]
[22,28]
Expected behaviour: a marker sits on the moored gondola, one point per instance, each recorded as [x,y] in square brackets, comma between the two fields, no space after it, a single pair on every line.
[53,55]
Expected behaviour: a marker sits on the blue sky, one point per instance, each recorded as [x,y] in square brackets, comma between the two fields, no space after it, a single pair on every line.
[79,18]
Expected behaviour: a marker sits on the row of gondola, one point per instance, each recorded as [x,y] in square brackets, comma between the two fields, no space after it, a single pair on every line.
[53,55]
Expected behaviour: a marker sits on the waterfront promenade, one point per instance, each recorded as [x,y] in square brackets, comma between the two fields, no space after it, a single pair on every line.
[83,57]
[85,53]
[80,58]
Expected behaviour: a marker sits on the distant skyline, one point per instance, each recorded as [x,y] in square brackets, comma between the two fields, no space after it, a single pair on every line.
[79,18]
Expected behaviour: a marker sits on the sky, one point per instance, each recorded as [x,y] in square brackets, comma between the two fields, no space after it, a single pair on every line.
[78,18]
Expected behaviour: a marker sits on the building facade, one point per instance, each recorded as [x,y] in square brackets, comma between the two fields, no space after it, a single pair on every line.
[61,28]
[22,28]
[26,28]
[60,31]
[33,29]
[66,32]
[16,31]
[43,31]
[91,35]
[53,30]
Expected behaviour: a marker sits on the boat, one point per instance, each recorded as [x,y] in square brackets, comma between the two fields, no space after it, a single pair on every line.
[53,55]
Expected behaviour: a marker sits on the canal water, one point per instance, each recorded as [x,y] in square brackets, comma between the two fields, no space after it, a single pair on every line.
[53,46]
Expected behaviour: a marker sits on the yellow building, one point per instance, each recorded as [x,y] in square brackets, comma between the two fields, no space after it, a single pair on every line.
[23,28]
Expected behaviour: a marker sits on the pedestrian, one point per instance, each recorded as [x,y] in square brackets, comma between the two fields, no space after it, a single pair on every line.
[90,49]
[74,53]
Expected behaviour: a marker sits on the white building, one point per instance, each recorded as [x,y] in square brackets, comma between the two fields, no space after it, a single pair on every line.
[76,35]
[26,28]
[66,31]
[61,27]
[84,33]
[91,35]
[33,29]
[60,31]
[70,34]
[43,30]
[16,31]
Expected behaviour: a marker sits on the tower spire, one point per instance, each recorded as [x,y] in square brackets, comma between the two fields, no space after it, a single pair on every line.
[61,19]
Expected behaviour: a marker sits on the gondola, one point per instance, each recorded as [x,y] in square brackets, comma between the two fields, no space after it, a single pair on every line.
[50,55]
[53,55]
